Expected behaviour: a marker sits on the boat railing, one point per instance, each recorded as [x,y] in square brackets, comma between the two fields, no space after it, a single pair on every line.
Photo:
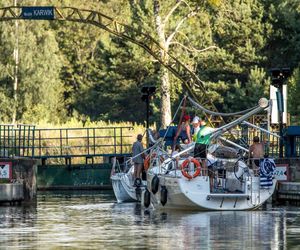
[115,166]
[235,174]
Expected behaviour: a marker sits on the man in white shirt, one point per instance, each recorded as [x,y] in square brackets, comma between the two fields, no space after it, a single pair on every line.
[196,127]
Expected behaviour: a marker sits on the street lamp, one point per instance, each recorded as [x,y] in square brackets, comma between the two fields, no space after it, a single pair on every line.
[279,77]
[147,93]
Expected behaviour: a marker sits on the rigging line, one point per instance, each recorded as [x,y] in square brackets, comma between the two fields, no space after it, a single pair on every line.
[168,127]
[143,152]
[180,119]
[217,113]
[261,129]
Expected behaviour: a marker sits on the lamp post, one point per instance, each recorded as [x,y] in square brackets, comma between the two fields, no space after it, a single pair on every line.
[147,93]
[279,77]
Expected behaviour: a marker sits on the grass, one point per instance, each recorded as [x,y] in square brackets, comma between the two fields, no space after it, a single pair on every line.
[76,138]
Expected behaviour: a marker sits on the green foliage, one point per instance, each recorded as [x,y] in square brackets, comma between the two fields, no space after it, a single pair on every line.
[76,71]
[293,94]
[240,34]
[283,16]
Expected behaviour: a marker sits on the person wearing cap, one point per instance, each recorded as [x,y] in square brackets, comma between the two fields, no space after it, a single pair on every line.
[196,127]
[184,131]
[138,157]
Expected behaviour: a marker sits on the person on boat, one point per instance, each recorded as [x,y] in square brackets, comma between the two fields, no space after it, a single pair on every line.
[138,158]
[154,137]
[174,153]
[184,131]
[196,127]
[256,151]
[203,140]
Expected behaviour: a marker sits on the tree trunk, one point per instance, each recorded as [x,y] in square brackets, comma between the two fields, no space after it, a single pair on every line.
[16,69]
[165,107]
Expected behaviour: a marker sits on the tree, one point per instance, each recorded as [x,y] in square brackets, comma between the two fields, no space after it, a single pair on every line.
[69,69]
[283,48]
[241,35]
[170,23]
[293,93]
[39,92]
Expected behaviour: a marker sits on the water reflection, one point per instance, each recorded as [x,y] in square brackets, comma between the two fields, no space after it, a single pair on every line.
[17,223]
[211,230]
[94,221]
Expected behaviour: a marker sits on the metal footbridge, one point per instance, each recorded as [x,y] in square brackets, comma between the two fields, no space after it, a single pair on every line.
[65,145]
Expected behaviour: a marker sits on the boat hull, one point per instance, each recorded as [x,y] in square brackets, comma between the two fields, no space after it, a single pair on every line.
[195,194]
[123,188]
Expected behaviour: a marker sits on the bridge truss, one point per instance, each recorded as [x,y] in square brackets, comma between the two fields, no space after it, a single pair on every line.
[191,82]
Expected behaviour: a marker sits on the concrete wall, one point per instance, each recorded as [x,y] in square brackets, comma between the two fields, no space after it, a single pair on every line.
[24,171]
[80,176]
[11,192]
[294,167]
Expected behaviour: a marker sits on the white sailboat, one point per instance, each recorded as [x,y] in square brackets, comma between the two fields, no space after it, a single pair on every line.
[229,183]
[123,184]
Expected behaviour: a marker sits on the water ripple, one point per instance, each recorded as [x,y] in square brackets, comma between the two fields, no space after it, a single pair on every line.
[95,221]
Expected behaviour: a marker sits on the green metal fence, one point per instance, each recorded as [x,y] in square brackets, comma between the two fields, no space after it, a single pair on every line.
[65,143]
[271,142]
[82,142]
[17,140]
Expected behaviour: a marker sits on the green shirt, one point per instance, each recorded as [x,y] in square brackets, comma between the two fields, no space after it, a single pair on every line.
[203,136]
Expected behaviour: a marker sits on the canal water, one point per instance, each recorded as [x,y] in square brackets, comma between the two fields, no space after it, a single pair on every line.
[93,220]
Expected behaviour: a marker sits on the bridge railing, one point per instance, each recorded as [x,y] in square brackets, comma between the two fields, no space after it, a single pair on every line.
[16,140]
[85,142]
[246,135]
[64,143]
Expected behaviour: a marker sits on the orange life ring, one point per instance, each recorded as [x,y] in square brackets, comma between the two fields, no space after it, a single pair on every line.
[184,168]
[151,157]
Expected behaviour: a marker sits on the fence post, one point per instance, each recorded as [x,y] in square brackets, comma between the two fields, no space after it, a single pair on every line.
[32,142]
[115,140]
[60,139]
[94,140]
[40,145]
[88,140]
[121,142]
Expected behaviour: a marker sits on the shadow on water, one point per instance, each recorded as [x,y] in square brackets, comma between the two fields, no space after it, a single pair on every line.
[88,220]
